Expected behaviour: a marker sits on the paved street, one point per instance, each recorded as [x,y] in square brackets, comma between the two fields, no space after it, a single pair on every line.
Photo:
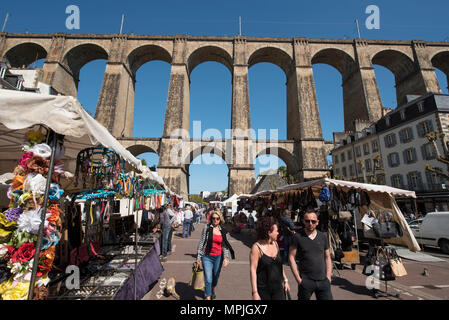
[347,284]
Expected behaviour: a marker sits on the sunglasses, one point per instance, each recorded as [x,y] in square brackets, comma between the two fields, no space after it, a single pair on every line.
[215,218]
[311,221]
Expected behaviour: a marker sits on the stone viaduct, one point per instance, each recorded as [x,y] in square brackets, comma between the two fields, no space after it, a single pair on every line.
[304,151]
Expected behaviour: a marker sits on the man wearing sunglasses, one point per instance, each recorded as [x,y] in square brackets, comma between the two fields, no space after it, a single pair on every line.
[310,260]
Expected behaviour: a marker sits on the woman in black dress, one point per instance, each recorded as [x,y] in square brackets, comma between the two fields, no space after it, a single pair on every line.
[268,279]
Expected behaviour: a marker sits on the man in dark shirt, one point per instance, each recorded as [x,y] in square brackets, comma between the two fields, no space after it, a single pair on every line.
[310,260]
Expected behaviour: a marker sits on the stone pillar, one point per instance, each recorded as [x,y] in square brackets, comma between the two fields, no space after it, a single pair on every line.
[175,139]
[303,119]
[2,44]
[425,67]
[177,109]
[115,107]
[56,74]
[240,155]
[240,117]
[361,97]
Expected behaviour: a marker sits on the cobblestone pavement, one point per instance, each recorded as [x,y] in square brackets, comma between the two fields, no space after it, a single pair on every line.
[347,284]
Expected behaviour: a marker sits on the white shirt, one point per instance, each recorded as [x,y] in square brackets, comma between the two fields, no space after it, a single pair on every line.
[188,214]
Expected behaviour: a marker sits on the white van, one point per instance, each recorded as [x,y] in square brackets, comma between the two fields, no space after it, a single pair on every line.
[432,230]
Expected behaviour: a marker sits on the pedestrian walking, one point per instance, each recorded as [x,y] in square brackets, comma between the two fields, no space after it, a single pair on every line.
[310,260]
[268,279]
[166,220]
[288,231]
[188,222]
[213,253]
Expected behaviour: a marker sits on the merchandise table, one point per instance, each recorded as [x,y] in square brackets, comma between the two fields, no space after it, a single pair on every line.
[115,279]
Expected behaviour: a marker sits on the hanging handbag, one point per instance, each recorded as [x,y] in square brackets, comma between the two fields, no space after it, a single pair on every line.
[386,229]
[383,262]
[197,278]
[346,237]
[344,215]
[396,265]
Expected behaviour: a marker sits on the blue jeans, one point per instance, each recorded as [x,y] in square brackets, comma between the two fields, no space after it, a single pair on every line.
[187,228]
[212,267]
[165,240]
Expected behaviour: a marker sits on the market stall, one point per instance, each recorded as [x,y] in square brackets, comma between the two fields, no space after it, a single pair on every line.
[345,210]
[40,137]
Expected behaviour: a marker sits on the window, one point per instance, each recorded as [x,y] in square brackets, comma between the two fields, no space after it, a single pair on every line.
[337,171]
[375,146]
[421,106]
[349,155]
[393,159]
[358,152]
[406,135]
[359,168]
[351,170]
[403,115]
[434,180]
[342,157]
[368,165]
[428,151]
[414,180]
[344,172]
[396,181]
[335,159]
[424,127]
[390,140]
[410,155]
[366,149]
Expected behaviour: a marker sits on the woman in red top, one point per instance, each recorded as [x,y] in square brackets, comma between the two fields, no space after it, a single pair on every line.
[213,252]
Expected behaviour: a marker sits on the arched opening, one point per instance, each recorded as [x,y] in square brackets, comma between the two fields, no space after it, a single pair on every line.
[151,66]
[270,173]
[269,161]
[440,63]
[207,171]
[148,155]
[210,101]
[339,91]
[269,95]
[87,62]
[26,55]
[403,69]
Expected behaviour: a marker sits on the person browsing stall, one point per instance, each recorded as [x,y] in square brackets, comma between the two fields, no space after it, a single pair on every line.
[310,260]
[268,279]
[213,253]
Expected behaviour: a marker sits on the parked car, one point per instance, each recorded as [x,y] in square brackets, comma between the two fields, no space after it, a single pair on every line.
[432,230]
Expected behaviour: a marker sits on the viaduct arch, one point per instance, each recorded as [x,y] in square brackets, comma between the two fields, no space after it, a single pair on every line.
[304,151]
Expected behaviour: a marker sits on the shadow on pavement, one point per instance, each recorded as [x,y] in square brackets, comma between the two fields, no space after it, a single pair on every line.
[349,286]
[244,237]
[186,292]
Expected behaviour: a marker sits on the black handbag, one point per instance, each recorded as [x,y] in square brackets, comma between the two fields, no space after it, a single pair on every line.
[386,229]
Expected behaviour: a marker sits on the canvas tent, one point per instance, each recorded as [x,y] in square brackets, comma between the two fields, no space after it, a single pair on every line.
[20,111]
[231,202]
[381,197]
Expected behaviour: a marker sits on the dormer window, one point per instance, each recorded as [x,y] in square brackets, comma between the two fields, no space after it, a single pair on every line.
[403,115]
[387,121]
[421,106]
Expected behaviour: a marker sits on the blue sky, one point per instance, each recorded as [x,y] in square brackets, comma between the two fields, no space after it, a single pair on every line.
[211,91]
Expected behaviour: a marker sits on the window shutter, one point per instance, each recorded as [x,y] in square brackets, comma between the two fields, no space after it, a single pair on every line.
[420,182]
[424,152]
[394,139]
[401,181]
[404,154]
[430,125]
[386,142]
[420,129]
[409,182]
[429,179]
[401,136]
[415,156]
[389,161]
[392,181]
[410,132]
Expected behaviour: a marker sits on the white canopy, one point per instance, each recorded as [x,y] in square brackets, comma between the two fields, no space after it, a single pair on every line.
[19,111]
[344,184]
[231,199]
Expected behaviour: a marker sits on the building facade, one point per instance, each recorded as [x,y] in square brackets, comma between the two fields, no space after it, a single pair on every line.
[409,143]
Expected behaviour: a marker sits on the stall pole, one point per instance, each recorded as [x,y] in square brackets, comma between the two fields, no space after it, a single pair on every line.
[136,213]
[43,213]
